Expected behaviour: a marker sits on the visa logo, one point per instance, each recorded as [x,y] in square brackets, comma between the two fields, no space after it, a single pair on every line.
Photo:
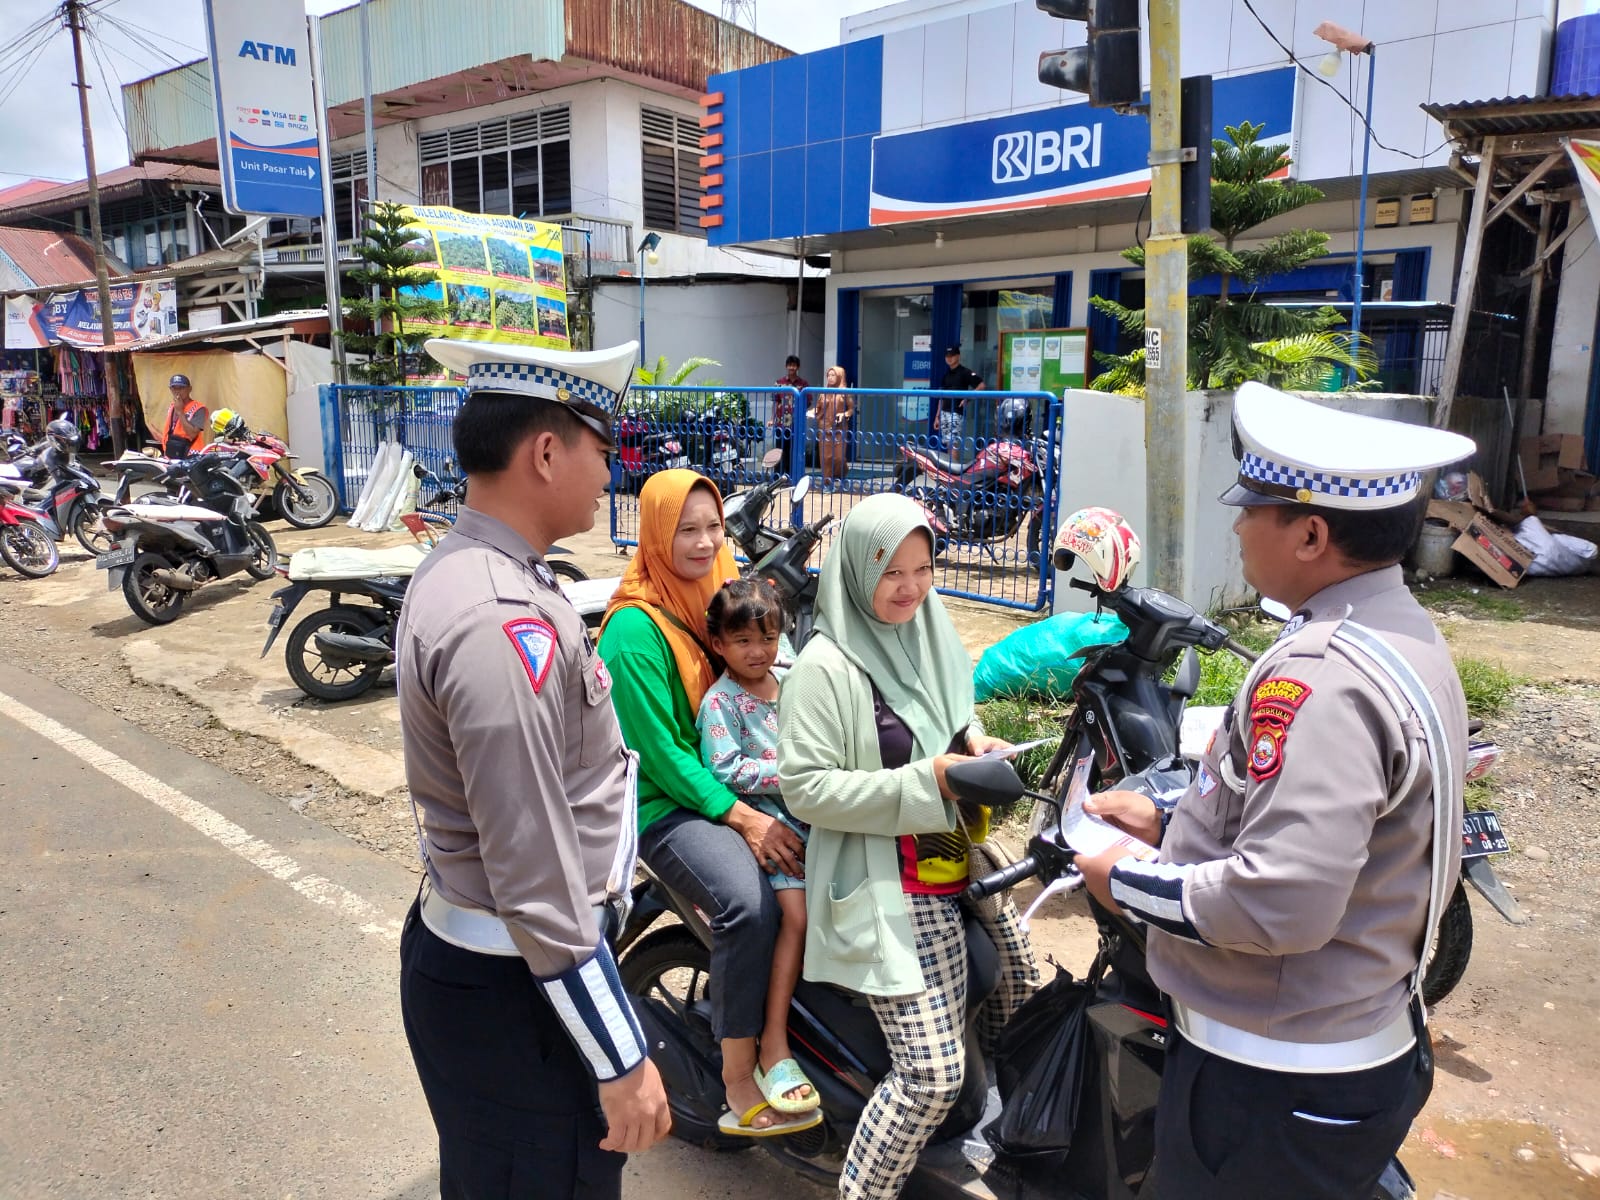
[1024,155]
[283,56]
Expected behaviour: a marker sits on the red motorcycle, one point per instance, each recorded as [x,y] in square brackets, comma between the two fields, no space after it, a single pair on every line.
[27,535]
[985,500]
[305,498]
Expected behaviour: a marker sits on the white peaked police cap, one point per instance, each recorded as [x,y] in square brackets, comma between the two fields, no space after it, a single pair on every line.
[1294,451]
[589,382]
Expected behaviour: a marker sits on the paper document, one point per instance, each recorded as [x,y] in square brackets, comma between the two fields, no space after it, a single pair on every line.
[1087,833]
[1021,748]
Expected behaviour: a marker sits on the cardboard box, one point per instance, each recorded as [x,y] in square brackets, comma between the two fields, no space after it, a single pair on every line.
[1546,456]
[1491,548]
[1454,513]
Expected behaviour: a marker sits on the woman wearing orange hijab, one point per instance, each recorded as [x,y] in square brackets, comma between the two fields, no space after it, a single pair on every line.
[695,834]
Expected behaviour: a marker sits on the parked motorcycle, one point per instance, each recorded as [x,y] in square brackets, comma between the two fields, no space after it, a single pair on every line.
[645,446]
[164,551]
[73,497]
[20,461]
[778,555]
[303,496]
[984,500]
[28,535]
[340,651]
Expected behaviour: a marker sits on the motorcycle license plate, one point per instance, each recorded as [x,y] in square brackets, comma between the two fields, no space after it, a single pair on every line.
[1482,835]
[681,460]
[119,557]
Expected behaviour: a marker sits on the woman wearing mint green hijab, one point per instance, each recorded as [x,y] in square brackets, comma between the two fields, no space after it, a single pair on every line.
[876,708]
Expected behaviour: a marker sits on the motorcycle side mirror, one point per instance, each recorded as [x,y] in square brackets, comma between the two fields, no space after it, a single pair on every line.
[449,466]
[771,459]
[989,781]
[800,489]
[1275,610]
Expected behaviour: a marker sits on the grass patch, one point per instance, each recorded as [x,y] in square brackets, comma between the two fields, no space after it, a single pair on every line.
[1024,721]
[1480,795]
[1488,686]
[1466,601]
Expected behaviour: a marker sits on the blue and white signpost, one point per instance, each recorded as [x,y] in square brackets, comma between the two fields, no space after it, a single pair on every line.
[267,143]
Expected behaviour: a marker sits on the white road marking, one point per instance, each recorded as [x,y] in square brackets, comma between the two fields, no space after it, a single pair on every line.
[261,855]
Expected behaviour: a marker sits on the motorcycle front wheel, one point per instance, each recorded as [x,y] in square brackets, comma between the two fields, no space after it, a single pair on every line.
[670,968]
[308,503]
[151,601]
[29,550]
[1452,947]
[311,672]
[563,569]
[88,529]
[264,561]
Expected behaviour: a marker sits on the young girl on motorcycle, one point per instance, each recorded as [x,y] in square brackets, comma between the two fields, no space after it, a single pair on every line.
[739,743]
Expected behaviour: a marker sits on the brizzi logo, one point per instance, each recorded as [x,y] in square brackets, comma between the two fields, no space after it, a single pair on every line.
[283,56]
[1026,155]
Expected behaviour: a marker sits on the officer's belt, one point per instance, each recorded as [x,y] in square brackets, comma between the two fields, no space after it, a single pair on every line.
[480,931]
[1310,1058]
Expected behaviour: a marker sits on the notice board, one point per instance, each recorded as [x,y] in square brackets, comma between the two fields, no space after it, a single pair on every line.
[1044,360]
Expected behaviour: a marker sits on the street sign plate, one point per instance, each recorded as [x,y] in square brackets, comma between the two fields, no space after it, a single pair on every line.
[1152,348]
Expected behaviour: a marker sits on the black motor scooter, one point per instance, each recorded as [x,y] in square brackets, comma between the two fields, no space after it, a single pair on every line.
[1125,728]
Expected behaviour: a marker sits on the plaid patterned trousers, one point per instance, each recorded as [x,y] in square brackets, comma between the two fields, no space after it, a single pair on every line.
[927,1053]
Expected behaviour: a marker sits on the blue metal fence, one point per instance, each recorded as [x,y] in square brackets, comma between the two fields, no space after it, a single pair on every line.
[357,419]
[991,490]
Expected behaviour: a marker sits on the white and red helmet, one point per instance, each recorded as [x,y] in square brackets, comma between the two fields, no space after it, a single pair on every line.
[1105,542]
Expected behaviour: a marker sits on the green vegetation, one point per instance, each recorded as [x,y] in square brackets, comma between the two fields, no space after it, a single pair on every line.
[1232,336]
[462,252]
[1480,795]
[514,310]
[507,258]
[1487,685]
[1491,604]
[643,400]
[390,252]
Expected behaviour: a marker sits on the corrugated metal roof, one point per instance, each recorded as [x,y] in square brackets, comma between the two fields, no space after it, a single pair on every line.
[44,258]
[1470,121]
[31,187]
[124,181]
[295,321]
[669,40]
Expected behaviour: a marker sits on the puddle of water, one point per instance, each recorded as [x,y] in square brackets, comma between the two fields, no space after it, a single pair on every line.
[1477,1160]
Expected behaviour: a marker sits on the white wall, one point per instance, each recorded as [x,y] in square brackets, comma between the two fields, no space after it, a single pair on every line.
[746,327]
[961,60]
[1572,348]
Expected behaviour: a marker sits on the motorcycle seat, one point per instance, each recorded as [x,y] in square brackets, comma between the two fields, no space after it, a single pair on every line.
[349,562]
[944,462]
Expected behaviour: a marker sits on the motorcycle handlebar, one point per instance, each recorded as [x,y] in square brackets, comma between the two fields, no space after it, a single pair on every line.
[980,889]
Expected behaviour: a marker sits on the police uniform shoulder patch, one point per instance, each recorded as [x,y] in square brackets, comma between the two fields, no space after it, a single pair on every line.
[535,641]
[1273,705]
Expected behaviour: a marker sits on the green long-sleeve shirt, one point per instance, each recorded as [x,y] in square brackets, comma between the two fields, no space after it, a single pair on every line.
[658,722]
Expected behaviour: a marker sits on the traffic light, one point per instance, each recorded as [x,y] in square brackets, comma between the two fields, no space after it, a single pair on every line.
[1107,68]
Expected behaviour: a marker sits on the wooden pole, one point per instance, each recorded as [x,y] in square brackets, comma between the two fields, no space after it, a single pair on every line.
[1530,340]
[108,333]
[1466,285]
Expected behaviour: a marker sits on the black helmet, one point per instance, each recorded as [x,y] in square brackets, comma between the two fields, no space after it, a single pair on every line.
[178,381]
[1014,417]
[62,434]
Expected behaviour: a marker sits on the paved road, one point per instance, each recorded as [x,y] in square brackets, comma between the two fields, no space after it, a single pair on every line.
[200,995]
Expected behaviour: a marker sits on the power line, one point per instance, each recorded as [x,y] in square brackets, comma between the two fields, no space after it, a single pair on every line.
[28,58]
[1343,99]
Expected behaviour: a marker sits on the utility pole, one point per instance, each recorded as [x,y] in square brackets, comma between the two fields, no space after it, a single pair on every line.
[72,10]
[1166,335]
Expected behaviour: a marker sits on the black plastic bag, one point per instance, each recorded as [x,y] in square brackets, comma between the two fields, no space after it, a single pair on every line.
[1041,1066]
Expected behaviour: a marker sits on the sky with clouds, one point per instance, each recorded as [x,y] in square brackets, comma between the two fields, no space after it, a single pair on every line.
[39,129]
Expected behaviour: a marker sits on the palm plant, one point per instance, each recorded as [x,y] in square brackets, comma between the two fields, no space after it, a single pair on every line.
[1233,337]
[648,398]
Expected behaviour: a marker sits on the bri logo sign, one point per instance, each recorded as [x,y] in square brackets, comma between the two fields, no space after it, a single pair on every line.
[1063,154]
[1022,155]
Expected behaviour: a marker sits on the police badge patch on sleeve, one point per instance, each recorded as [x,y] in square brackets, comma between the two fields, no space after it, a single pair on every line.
[535,641]
[1273,706]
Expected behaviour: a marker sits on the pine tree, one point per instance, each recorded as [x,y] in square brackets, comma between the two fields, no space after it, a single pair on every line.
[390,266]
[1233,337]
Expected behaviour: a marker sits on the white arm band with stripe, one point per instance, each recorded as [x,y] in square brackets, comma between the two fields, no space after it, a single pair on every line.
[1153,892]
[596,1013]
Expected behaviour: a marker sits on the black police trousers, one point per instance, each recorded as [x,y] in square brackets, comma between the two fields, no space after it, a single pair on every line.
[1226,1131]
[517,1111]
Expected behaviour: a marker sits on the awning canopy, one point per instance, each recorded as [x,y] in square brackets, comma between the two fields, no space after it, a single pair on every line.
[297,323]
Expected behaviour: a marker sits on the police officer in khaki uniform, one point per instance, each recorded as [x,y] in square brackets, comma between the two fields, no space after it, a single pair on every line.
[1303,874]
[531,1058]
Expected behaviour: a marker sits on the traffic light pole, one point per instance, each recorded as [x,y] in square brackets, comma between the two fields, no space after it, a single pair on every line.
[1166,312]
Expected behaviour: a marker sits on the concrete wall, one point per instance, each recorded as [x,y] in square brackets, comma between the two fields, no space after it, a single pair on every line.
[746,327]
[1103,464]
[1572,348]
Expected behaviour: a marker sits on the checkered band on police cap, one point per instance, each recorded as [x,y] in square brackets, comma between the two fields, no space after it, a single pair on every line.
[547,383]
[1390,488]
